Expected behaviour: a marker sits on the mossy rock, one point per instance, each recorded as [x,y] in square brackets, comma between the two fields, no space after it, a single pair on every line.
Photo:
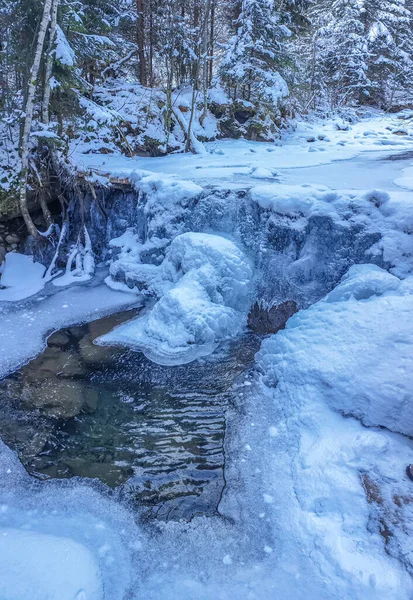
[9,204]
[229,128]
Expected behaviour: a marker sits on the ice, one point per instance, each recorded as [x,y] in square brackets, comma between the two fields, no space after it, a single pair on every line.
[206,280]
[22,277]
[26,324]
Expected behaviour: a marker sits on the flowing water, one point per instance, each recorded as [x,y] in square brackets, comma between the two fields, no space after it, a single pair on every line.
[154,432]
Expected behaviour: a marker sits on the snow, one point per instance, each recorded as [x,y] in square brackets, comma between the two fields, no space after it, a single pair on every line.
[206,282]
[53,567]
[61,540]
[22,277]
[238,160]
[316,444]
[355,348]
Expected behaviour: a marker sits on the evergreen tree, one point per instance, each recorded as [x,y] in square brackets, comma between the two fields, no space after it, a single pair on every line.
[345,52]
[388,25]
[251,67]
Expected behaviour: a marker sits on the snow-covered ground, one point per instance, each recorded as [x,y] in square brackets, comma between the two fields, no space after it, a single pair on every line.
[317,501]
[242,162]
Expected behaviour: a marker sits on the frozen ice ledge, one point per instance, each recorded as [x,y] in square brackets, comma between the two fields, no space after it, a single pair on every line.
[203,256]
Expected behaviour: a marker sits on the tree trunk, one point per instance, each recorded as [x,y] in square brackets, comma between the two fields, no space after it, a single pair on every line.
[151,44]
[188,144]
[49,64]
[205,57]
[211,42]
[29,106]
[140,41]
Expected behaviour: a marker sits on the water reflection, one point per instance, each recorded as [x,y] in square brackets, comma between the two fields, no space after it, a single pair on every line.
[90,411]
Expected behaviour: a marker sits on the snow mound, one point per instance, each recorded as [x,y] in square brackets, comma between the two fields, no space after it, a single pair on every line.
[53,567]
[303,200]
[204,301]
[363,281]
[62,540]
[354,348]
[22,277]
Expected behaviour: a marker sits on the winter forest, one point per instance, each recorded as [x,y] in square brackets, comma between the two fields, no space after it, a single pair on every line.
[206,299]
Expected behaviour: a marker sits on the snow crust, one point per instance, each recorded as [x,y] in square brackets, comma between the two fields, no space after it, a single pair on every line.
[354,348]
[38,566]
[206,283]
[22,277]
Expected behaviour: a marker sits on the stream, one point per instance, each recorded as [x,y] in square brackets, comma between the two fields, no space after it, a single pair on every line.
[155,433]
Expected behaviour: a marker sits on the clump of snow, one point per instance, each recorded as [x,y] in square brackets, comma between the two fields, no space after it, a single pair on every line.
[355,348]
[361,282]
[22,277]
[262,173]
[206,280]
[63,52]
[61,540]
[38,566]
[295,199]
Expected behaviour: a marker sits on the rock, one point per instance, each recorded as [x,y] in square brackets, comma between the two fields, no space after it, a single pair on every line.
[270,320]
[400,132]
[53,362]
[59,339]
[311,139]
[56,398]
[12,238]
[92,354]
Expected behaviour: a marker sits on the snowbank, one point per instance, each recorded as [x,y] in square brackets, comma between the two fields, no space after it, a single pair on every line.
[206,282]
[61,540]
[335,487]
[354,349]
[22,277]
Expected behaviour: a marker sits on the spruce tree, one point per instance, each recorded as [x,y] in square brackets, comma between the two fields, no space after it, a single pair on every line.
[250,69]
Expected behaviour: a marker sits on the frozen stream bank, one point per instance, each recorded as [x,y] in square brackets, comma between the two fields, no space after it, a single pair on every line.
[317,503]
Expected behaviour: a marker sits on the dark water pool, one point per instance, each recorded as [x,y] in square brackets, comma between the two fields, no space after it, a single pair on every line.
[109,413]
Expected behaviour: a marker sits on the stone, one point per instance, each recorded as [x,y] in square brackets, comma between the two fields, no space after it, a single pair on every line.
[264,320]
[92,354]
[12,238]
[59,338]
[53,362]
[56,398]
